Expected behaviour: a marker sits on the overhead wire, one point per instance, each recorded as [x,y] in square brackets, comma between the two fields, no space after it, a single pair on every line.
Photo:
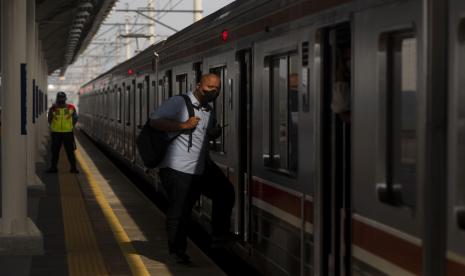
[169,5]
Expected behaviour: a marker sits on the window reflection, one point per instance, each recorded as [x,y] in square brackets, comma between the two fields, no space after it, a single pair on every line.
[283,115]
[403,61]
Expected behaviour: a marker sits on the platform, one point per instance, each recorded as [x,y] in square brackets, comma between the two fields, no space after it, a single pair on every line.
[98,223]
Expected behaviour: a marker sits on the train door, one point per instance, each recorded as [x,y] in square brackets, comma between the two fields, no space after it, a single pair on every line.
[456,188]
[116,116]
[132,128]
[139,112]
[120,118]
[244,59]
[388,130]
[127,120]
[336,149]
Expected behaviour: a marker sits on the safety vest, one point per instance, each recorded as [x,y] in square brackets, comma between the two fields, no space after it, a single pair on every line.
[62,120]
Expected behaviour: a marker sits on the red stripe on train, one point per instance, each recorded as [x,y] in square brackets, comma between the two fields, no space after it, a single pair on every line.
[455,269]
[387,246]
[395,250]
[281,199]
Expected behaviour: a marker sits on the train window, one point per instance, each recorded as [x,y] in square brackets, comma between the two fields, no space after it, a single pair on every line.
[283,112]
[99,104]
[168,84]
[161,92]
[120,104]
[104,104]
[107,104]
[219,110]
[197,67]
[127,100]
[401,117]
[140,101]
[181,84]
[114,103]
[155,95]
[147,99]
[305,78]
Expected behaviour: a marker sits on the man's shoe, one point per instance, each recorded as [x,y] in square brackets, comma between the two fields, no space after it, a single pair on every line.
[180,258]
[52,170]
[73,170]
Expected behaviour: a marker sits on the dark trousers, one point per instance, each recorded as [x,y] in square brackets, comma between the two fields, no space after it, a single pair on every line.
[66,138]
[183,190]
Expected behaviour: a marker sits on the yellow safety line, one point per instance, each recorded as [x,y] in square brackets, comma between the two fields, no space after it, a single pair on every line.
[131,255]
[83,253]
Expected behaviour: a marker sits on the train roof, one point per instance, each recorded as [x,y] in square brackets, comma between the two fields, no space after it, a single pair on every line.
[189,33]
[241,18]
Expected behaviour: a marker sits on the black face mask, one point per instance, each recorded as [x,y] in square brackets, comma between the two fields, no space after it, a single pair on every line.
[209,95]
[61,101]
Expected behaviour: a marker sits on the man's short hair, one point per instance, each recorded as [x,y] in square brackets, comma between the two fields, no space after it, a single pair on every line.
[209,75]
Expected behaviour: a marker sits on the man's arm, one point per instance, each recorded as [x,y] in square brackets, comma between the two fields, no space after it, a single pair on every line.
[171,125]
[169,116]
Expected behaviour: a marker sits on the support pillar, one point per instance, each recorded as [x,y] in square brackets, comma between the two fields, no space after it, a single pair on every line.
[42,129]
[128,40]
[18,233]
[151,6]
[197,10]
[37,132]
[33,181]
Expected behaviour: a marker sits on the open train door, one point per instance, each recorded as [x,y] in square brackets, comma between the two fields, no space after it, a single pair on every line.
[335,150]
[244,59]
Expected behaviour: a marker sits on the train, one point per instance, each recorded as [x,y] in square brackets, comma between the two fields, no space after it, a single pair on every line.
[378,191]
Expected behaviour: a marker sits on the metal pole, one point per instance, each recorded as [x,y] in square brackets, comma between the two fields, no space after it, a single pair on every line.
[435,24]
[117,47]
[128,44]
[151,5]
[197,9]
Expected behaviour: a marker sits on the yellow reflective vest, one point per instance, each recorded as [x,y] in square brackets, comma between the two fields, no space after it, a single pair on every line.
[62,118]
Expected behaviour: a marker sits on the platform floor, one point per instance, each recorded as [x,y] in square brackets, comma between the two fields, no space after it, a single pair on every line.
[98,223]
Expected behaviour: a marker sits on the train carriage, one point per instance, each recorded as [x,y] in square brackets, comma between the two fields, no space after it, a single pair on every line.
[317,193]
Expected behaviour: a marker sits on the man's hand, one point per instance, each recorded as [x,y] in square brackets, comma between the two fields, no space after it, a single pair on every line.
[191,123]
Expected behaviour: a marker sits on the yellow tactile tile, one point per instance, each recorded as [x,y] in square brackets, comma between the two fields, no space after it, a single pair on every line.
[83,253]
[132,257]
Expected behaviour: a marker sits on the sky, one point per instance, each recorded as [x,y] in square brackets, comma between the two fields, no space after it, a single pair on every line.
[103,53]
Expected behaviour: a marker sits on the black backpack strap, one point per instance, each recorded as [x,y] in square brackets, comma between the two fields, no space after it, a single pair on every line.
[190,107]
[190,111]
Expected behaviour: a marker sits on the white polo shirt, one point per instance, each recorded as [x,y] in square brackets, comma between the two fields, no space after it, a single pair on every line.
[178,156]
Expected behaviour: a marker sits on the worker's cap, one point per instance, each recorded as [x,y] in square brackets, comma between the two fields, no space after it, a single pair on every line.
[61,95]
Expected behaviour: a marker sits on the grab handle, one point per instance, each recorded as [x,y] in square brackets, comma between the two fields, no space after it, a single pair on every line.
[390,194]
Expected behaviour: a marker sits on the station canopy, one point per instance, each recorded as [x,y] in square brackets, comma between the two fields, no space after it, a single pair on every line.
[66,28]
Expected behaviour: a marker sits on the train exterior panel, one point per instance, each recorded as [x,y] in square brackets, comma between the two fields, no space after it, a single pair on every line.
[316,193]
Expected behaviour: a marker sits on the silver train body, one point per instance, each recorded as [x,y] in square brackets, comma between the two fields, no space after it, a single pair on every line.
[380,193]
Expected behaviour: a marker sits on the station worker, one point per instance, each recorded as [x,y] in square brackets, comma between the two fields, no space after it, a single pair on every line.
[62,118]
[187,170]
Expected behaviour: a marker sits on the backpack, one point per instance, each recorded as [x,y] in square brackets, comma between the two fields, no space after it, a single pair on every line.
[152,143]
